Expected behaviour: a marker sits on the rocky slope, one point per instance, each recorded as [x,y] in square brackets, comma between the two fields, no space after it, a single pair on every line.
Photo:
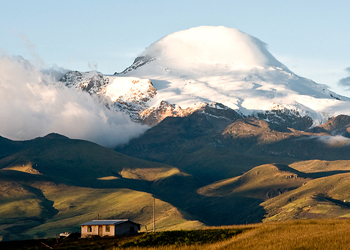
[339,125]
[213,148]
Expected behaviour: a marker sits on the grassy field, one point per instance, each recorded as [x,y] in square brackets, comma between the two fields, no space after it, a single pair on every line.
[271,192]
[53,184]
[62,208]
[325,195]
[298,234]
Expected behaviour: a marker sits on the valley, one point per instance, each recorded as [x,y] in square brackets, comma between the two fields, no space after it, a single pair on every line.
[201,171]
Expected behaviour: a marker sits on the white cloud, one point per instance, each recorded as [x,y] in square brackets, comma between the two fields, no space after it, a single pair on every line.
[345,82]
[33,104]
[334,141]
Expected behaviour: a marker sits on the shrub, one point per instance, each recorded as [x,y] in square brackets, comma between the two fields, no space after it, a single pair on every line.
[181,238]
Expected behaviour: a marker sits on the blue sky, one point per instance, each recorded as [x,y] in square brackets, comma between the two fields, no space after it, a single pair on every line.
[310,37]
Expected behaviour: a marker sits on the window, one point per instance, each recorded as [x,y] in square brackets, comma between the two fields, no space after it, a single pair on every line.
[108,229]
[89,229]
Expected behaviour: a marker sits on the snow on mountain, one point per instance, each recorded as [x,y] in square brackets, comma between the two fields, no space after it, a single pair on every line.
[91,81]
[185,70]
[228,66]
[128,94]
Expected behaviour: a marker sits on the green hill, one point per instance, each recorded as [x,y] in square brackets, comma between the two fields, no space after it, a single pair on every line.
[52,184]
[325,197]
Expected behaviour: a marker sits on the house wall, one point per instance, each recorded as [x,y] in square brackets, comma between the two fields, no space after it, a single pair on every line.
[111,230]
[94,231]
[115,230]
[85,233]
[124,228]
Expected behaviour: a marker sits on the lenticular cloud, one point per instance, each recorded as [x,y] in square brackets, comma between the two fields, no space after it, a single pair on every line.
[33,104]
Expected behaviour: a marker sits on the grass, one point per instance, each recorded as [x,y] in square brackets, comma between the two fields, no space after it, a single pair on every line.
[310,234]
[77,205]
[298,234]
[52,185]
[261,182]
[72,206]
[55,208]
[150,174]
[180,238]
[315,166]
[66,244]
[326,197]
[64,160]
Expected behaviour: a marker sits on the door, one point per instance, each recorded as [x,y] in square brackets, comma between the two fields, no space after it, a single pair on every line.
[100,231]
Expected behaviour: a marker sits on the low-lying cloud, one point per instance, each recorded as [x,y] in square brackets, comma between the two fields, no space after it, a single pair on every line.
[33,103]
[334,141]
[345,82]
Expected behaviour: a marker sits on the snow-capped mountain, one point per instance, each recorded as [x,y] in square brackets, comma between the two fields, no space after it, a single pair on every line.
[186,70]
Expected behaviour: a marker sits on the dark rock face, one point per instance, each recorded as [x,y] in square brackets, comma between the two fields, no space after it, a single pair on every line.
[339,125]
[139,61]
[281,120]
[89,84]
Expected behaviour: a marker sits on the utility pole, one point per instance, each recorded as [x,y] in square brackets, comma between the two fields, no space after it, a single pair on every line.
[154,214]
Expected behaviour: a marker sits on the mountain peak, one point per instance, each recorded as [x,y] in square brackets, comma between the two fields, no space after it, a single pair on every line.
[55,136]
[225,65]
[205,46]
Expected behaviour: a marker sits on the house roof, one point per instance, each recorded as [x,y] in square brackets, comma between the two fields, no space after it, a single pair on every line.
[106,222]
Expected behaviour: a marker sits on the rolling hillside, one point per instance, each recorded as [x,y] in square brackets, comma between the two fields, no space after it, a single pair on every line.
[204,171]
[52,184]
[242,166]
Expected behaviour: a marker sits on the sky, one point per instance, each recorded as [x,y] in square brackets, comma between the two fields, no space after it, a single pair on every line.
[310,37]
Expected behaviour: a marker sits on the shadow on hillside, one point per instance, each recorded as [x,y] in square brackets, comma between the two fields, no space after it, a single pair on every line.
[286,168]
[324,198]
[180,191]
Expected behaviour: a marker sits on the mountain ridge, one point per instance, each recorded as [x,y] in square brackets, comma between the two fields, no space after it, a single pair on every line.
[185,70]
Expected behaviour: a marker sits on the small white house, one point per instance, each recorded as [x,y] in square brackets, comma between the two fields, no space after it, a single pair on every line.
[108,228]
